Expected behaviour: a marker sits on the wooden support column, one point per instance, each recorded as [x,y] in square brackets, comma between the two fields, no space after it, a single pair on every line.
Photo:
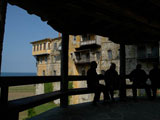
[3,8]
[122,71]
[64,69]
[3,88]
[159,51]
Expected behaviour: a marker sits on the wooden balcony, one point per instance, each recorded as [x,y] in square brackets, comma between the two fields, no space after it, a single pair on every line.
[90,42]
[82,61]
[148,58]
[41,52]
[85,60]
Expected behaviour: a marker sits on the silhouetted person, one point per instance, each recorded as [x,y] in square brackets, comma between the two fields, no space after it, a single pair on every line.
[139,78]
[93,83]
[112,80]
[154,76]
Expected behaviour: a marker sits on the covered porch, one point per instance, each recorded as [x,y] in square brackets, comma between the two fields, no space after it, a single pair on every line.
[123,22]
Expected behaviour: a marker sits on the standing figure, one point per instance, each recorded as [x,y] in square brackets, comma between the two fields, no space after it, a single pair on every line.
[93,83]
[139,78]
[112,80]
[154,76]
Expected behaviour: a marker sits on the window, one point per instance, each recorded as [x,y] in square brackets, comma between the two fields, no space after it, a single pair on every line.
[44,46]
[110,54]
[43,73]
[98,55]
[74,39]
[141,52]
[37,47]
[58,57]
[72,55]
[55,46]
[118,56]
[85,37]
[59,47]
[34,47]
[46,60]
[87,56]
[48,46]
[54,73]
[54,59]
[40,60]
[78,56]
[40,46]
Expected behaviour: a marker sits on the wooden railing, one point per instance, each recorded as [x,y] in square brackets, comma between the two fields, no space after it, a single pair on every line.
[13,107]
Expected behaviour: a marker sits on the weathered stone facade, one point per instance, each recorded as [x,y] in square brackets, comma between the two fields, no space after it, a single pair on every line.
[87,48]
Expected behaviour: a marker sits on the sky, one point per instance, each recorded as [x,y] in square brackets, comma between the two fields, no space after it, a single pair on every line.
[22,28]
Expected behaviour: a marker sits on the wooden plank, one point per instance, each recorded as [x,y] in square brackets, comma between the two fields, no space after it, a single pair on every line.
[29,102]
[27,80]
[122,71]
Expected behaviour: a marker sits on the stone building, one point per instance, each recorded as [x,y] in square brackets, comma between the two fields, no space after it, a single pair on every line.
[85,49]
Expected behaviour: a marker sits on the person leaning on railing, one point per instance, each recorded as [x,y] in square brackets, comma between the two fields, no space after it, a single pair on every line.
[93,84]
[112,80]
[139,77]
[154,76]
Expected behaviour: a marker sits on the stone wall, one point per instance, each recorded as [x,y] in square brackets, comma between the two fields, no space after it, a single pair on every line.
[109,52]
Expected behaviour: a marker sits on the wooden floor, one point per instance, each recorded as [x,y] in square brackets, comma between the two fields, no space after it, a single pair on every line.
[130,110]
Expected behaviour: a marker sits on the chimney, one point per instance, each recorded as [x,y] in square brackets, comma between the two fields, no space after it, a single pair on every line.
[59,34]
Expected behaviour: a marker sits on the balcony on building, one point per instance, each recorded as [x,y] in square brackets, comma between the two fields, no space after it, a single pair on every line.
[89,41]
[148,53]
[85,56]
[41,47]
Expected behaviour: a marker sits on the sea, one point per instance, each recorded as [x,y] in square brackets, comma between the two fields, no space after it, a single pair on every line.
[17,74]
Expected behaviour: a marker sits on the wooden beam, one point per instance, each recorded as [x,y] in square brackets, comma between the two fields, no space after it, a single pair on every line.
[122,71]
[64,69]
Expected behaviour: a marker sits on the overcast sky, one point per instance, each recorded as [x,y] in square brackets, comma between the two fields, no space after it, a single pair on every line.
[21,29]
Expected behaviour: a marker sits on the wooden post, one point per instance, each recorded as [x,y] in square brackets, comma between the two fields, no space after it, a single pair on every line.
[122,71]
[3,8]
[64,69]
[159,51]
[3,88]
[3,101]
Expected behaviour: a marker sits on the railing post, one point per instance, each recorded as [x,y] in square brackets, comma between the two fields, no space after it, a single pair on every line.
[64,69]
[122,71]
[13,115]
[3,100]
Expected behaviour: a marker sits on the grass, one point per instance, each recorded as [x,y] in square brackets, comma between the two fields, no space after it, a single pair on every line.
[48,87]
[40,109]
[29,90]
[21,92]
[26,88]
[44,107]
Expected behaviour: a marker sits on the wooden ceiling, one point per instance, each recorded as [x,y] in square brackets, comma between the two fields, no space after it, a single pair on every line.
[123,21]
